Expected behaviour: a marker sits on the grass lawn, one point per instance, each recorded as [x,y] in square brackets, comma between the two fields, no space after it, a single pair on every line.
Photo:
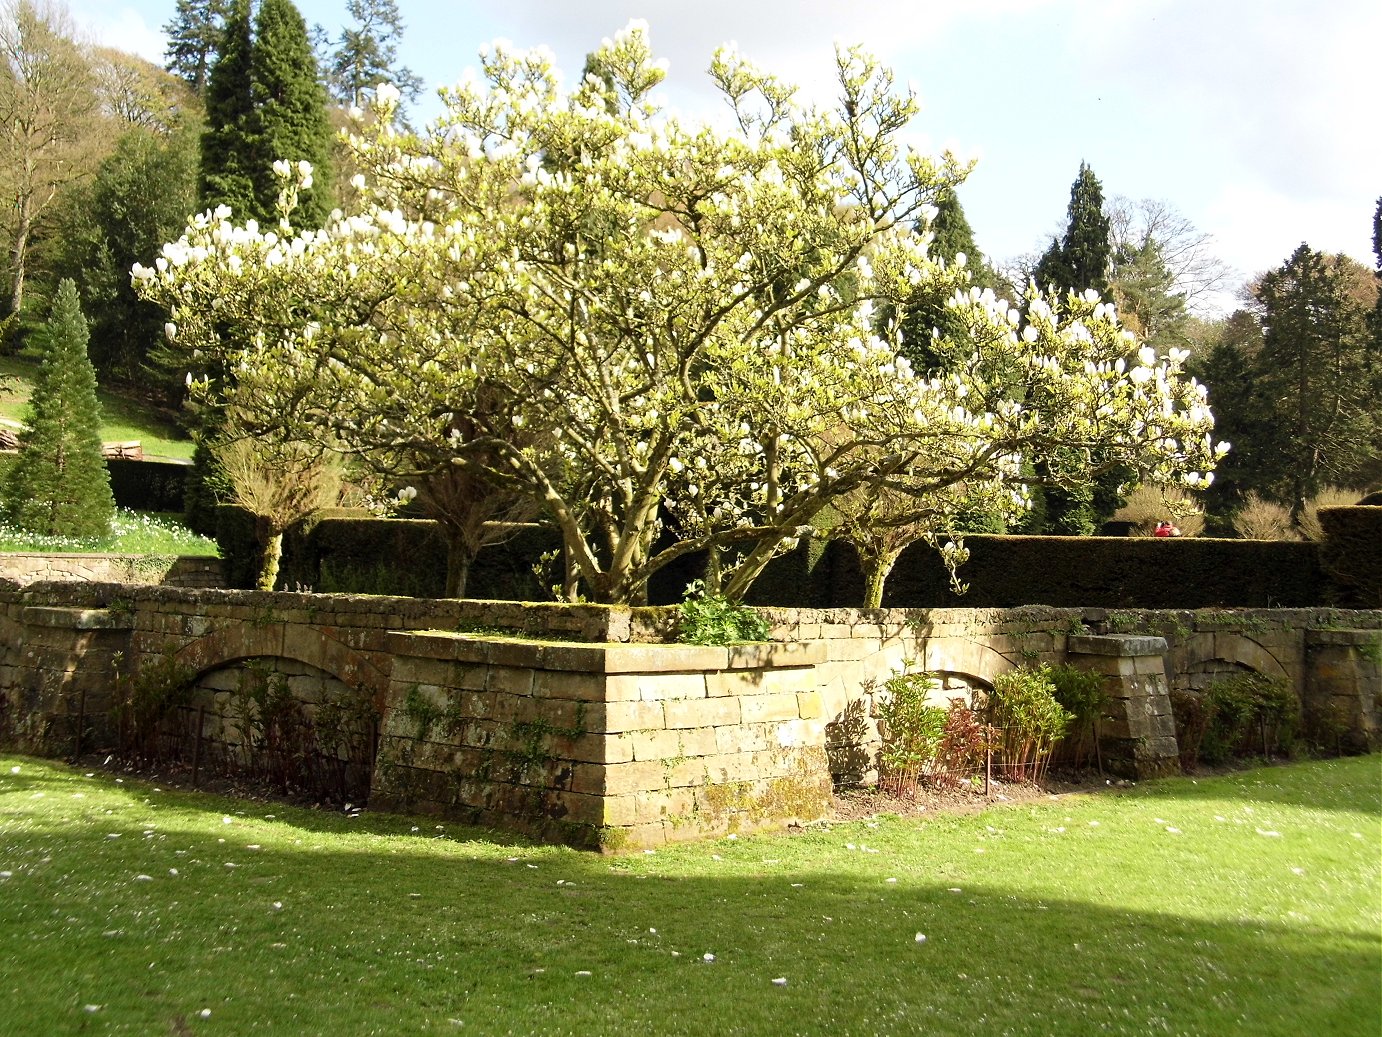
[123,419]
[132,533]
[1247,904]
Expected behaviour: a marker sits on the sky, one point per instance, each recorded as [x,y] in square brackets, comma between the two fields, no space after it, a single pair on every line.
[1254,119]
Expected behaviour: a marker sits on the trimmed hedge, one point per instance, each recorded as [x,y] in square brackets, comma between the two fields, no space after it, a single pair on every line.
[1352,553]
[349,551]
[147,485]
[1114,572]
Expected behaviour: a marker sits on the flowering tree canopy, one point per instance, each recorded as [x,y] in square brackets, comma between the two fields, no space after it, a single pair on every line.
[670,337]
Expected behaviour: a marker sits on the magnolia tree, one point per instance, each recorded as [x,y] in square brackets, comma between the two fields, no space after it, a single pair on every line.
[669,337]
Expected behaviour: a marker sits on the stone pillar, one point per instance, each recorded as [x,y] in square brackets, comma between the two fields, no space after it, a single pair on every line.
[1137,734]
[1343,686]
[67,667]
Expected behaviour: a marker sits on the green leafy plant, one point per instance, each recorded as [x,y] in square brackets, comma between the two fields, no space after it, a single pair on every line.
[144,699]
[1081,694]
[911,731]
[1027,721]
[710,619]
[1248,712]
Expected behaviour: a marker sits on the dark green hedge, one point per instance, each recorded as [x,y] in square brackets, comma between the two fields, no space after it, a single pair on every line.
[147,485]
[1352,553]
[1114,572]
[346,551]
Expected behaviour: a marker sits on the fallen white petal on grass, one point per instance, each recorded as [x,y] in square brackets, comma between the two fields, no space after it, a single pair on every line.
[1173,831]
[707,957]
[143,878]
[921,938]
[205,1013]
[890,880]
[583,972]
[89,1008]
[1270,835]
[781,981]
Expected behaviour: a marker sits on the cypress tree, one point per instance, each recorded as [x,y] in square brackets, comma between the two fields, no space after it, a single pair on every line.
[59,485]
[228,154]
[289,116]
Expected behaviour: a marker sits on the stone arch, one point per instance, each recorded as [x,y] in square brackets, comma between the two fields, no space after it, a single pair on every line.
[971,658]
[1224,651]
[310,646]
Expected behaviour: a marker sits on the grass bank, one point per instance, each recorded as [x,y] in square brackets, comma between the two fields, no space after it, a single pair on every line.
[123,419]
[1246,904]
[131,533]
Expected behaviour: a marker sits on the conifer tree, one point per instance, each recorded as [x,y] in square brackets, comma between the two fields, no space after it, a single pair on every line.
[228,153]
[194,39]
[367,53]
[289,112]
[59,486]
[1080,260]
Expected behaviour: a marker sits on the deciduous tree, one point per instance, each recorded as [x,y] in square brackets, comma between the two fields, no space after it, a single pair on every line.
[663,334]
[49,115]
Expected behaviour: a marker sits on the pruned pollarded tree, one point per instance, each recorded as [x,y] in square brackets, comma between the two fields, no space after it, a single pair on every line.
[655,330]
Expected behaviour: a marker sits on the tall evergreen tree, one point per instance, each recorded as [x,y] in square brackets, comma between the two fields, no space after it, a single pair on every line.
[952,236]
[366,53]
[1080,260]
[228,153]
[289,112]
[1318,375]
[59,485]
[194,39]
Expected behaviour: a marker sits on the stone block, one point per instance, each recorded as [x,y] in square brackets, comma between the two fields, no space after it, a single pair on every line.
[691,713]
[625,778]
[763,708]
[644,658]
[655,745]
[510,680]
[632,716]
[1115,644]
[569,685]
[766,654]
[669,686]
[809,705]
[744,738]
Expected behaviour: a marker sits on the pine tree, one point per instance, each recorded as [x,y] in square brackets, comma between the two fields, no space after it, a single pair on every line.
[367,53]
[1076,263]
[194,39]
[59,485]
[1319,375]
[289,112]
[228,154]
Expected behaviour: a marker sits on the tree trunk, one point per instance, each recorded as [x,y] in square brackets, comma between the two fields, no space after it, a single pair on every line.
[268,566]
[876,570]
[458,559]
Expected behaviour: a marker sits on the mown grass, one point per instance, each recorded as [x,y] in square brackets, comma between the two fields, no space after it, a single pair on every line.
[123,419]
[1239,905]
[132,533]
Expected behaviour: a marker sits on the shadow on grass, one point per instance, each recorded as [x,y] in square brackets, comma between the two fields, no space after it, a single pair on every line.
[412,934]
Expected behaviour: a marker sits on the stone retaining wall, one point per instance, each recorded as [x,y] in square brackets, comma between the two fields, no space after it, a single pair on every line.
[183,571]
[579,723]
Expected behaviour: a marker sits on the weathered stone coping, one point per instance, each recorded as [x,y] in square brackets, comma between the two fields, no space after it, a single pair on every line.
[613,657]
[76,618]
[1121,645]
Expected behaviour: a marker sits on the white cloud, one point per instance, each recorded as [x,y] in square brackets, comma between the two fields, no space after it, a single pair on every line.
[123,28]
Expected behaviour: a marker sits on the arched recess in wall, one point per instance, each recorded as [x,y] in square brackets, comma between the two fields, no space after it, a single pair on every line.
[233,644]
[970,658]
[1214,652]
